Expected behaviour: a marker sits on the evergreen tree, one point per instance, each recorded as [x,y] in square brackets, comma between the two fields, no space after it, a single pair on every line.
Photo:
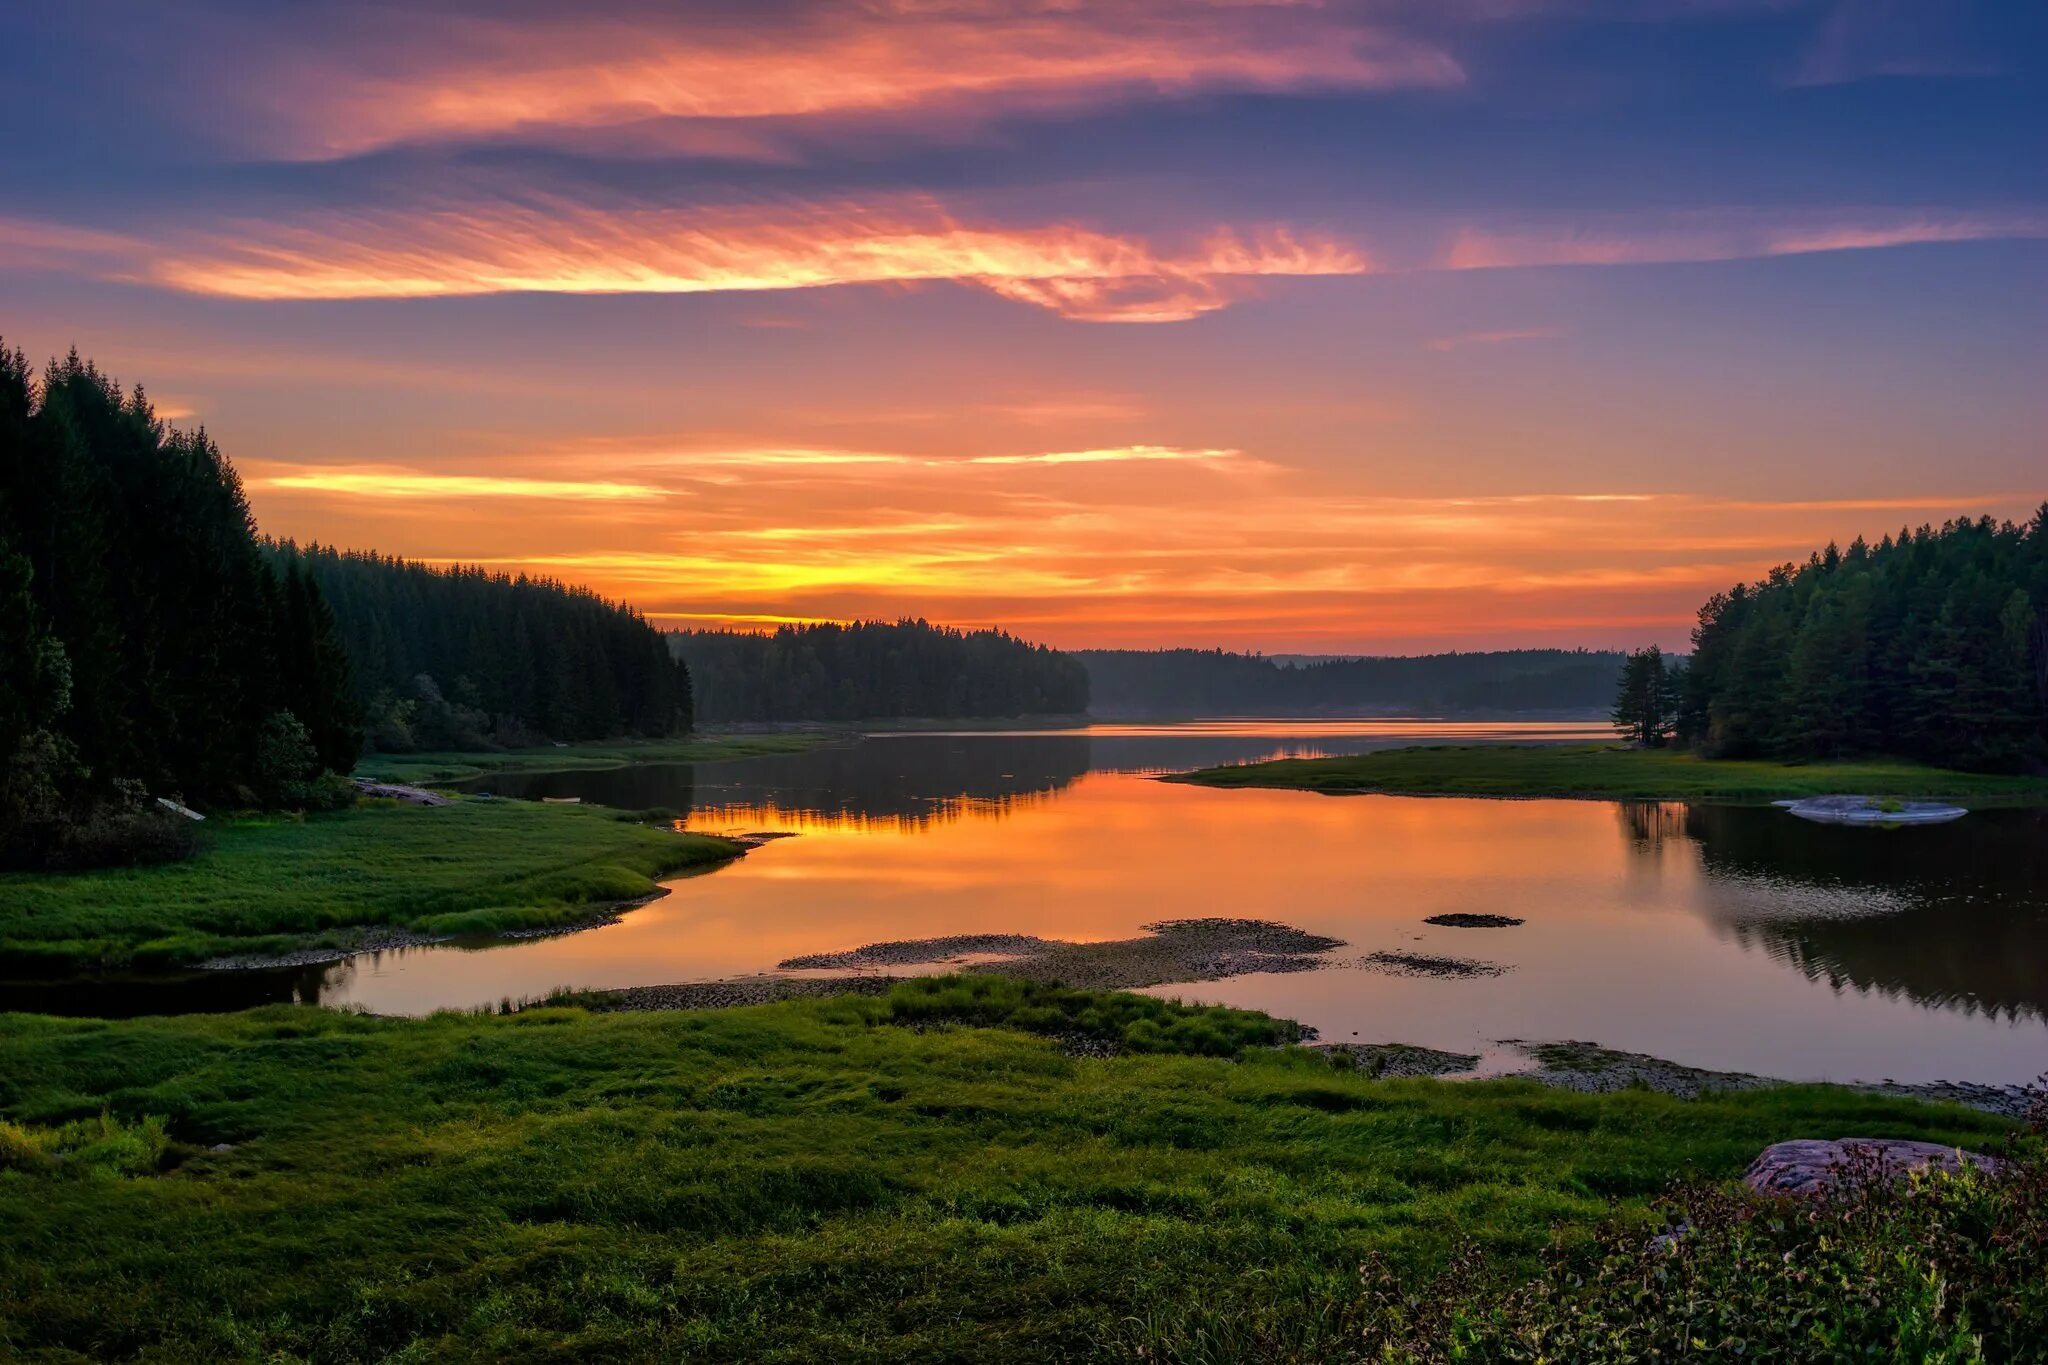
[1646,699]
[1932,644]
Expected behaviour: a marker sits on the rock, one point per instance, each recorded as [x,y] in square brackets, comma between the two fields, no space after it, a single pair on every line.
[1461,920]
[222,1147]
[398,791]
[1884,812]
[1814,1167]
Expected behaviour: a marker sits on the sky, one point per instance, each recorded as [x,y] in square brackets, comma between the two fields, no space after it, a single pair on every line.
[1380,326]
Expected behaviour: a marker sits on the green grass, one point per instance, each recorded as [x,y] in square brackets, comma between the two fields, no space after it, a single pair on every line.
[907,1177]
[431,768]
[269,884]
[1612,772]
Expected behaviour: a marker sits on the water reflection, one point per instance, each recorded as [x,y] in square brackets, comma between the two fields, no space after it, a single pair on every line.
[1734,939]
[1950,915]
[915,782]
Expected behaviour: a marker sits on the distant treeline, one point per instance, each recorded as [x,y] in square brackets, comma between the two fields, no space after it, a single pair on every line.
[147,644]
[1193,682]
[462,658]
[876,670]
[1933,645]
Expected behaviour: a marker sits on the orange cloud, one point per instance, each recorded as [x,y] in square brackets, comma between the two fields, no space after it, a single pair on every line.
[678,81]
[1092,546]
[558,247]
[384,482]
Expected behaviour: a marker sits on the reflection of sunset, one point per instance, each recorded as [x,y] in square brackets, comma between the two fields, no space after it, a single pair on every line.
[1624,936]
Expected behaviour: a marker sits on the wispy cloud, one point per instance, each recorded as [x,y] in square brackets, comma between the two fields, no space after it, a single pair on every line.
[1725,236]
[370,481]
[473,246]
[1452,343]
[1867,39]
[698,78]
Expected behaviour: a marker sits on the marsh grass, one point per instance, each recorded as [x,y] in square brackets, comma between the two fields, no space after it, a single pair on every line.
[266,884]
[1615,773]
[464,765]
[937,1173]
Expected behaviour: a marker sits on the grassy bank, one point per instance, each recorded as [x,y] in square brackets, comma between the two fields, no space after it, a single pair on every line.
[276,883]
[1615,773]
[550,758]
[933,1174]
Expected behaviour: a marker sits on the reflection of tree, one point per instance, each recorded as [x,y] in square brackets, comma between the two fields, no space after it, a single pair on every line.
[124,996]
[909,779]
[1953,915]
[1652,824]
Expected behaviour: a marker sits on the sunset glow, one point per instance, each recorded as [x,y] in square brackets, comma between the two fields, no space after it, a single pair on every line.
[1463,325]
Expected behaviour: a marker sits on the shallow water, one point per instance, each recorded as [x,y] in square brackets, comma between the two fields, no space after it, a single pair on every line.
[1730,938]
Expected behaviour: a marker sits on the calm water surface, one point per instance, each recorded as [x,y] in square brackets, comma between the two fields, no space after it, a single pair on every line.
[1721,937]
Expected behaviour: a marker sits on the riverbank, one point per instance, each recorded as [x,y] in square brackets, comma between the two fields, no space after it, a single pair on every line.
[285,888]
[461,766]
[1611,772]
[935,1172]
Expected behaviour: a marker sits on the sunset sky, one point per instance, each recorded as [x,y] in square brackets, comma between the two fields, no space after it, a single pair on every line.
[1362,325]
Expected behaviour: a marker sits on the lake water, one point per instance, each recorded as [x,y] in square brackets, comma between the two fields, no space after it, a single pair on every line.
[1722,937]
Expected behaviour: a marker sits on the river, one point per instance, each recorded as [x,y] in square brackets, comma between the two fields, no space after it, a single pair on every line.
[1721,937]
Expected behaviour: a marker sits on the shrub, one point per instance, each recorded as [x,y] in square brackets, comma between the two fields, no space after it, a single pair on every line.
[1947,1268]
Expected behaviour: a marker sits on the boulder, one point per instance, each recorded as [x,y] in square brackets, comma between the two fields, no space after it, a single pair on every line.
[1813,1167]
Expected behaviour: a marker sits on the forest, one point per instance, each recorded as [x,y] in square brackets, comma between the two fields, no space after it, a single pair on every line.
[873,670]
[1930,645]
[148,645]
[1193,682]
[462,658]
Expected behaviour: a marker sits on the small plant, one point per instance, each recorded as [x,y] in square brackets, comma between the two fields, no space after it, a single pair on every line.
[101,1147]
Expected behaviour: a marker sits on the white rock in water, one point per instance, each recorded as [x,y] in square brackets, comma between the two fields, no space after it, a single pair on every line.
[1871,810]
[1813,1167]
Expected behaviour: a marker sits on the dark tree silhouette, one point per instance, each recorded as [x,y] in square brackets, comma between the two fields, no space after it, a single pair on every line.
[148,639]
[1931,645]
[462,658]
[875,670]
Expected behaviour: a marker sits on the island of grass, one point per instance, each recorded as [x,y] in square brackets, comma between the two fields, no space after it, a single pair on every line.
[953,1170]
[462,765]
[1613,772]
[376,873]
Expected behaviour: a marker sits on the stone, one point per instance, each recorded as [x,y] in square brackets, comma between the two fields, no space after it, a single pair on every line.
[1815,1168]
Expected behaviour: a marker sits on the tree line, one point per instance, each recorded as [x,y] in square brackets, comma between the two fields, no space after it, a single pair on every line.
[1194,682]
[874,670]
[1931,645]
[464,658]
[148,646]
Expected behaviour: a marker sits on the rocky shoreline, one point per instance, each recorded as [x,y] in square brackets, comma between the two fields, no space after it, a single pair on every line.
[1169,950]
[1593,1069]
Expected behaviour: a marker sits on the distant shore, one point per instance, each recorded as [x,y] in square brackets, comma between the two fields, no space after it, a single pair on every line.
[1611,772]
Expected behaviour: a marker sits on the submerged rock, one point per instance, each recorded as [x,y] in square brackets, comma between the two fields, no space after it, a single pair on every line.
[1813,1167]
[1461,920]
[1170,950]
[1426,964]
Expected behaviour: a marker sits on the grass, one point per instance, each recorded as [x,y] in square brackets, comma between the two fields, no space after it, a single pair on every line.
[929,1175]
[1614,773]
[431,768]
[268,884]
